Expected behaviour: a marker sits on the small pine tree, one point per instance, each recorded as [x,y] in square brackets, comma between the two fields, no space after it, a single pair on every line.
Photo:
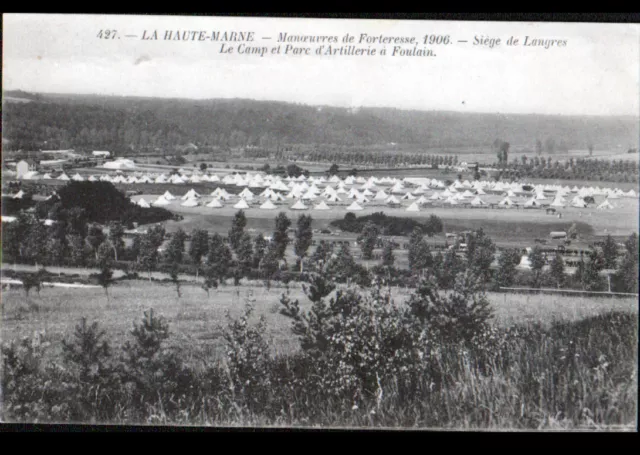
[304,238]
[280,238]
[610,252]
[198,248]
[387,255]
[368,239]
[237,229]
[556,271]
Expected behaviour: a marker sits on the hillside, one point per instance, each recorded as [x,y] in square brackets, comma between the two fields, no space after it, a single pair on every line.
[126,124]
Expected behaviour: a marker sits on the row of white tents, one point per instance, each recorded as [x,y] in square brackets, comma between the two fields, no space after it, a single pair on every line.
[302,183]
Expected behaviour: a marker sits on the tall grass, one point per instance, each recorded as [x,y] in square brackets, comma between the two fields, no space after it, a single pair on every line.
[566,376]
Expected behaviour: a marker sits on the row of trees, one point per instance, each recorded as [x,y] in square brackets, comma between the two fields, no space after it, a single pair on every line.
[72,241]
[360,157]
[571,169]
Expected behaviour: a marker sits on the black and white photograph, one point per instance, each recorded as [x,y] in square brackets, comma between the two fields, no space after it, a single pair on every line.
[319,223]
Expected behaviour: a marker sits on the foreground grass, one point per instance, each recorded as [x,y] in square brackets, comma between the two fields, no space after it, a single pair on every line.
[197,320]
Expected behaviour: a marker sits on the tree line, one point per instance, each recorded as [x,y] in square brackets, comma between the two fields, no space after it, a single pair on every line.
[74,242]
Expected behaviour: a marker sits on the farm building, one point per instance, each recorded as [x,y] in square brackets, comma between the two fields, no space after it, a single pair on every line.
[101,153]
[560,235]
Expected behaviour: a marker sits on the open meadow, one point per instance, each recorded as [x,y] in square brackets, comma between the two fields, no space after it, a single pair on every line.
[197,321]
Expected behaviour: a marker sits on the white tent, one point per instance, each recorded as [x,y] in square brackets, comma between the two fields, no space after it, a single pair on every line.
[422,200]
[241,204]
[277,197]
[480,192]
[191,194]
[467,193]
[215,204]
[380,196]
[630,193]
[451,201]
[413,207]
[63,176]
[532,203]
[354,207]
[268,205]
[18,195]
[558,203]
[309,195]
[191,202]
[299,205]
[435,196]
[160,201]
[321,206]
[506,202]
[47,176]
[579,203]
[246,194]
[168,196]
[392,200]
[408,196]
[142,203]
[478,202]
[605,205]
[333,198]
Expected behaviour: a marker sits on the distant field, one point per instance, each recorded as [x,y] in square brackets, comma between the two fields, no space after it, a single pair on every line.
[196,320]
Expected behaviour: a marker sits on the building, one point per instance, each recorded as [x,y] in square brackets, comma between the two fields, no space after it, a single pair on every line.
[23,167]
[101,153]
[560,235]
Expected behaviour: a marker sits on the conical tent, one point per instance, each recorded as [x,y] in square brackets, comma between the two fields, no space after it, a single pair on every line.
[299,205]
[532,203]
[506,202]
[605,205]
[354,207]
[241,204]
[413,207]
[557,203]
[277,197]
[160,201]
[422,200]
[168,196]
[268,205]
[215,203]
[408,196]
[321,206]
[392,200]
[381,196]
[63,177]
[477,202]
[191,194]
[191,202]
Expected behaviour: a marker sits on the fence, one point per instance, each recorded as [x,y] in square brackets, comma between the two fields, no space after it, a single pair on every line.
[568,292]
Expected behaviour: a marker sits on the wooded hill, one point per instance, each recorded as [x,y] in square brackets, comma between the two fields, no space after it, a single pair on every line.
[132,124]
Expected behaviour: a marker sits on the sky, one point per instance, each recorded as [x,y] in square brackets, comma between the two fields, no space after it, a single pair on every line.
[596,73]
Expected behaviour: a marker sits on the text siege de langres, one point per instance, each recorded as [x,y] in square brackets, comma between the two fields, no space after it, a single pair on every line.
[356,44]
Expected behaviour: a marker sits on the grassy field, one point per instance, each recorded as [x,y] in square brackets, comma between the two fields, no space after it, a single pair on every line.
[196,321]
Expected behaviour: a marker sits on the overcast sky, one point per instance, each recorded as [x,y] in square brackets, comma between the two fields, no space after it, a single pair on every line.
[597,73]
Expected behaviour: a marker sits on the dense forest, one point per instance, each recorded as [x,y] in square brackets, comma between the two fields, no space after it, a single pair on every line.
[143,125]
